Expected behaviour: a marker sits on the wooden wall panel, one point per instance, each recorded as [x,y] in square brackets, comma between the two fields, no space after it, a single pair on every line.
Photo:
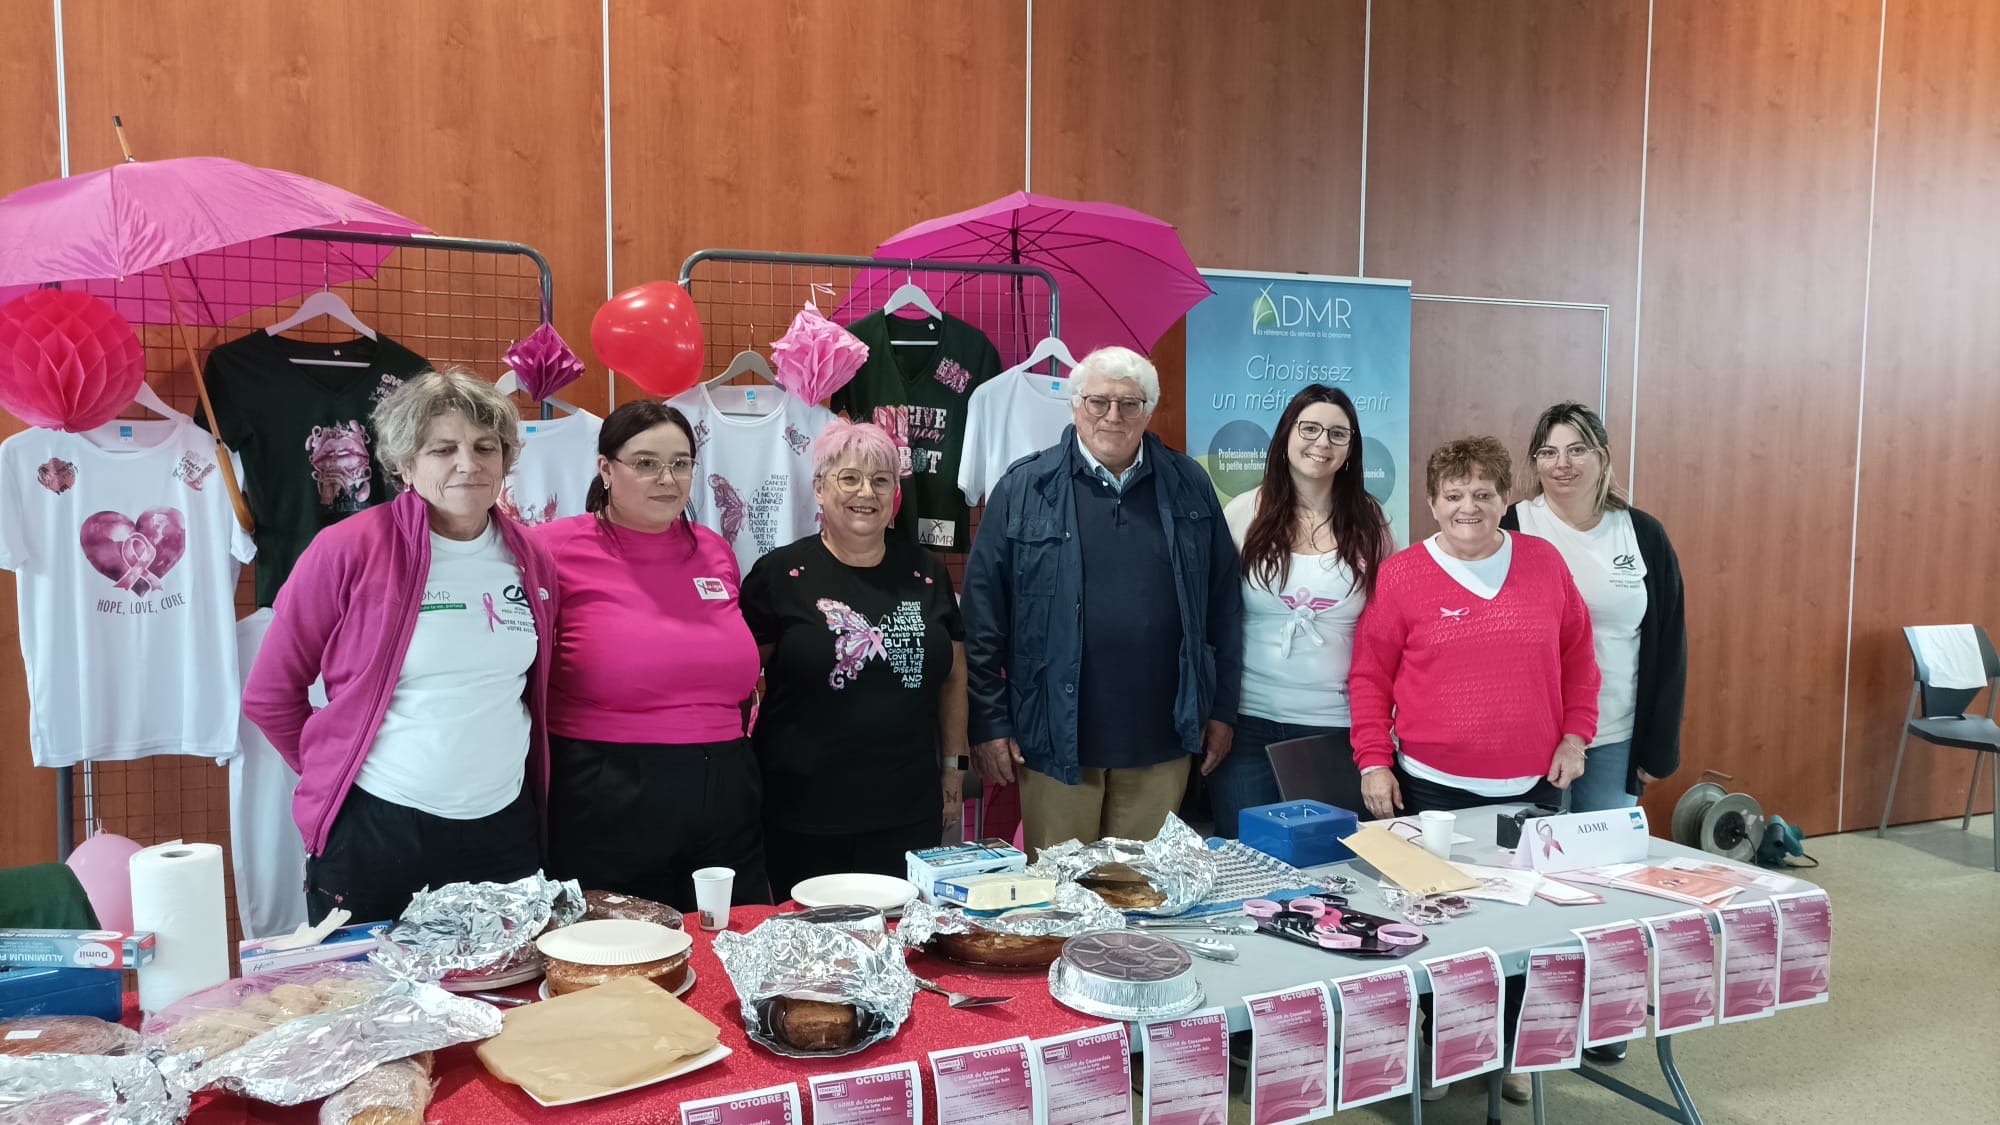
[1503,161]
[29,153]
[1926,539]
[805,125]
[1756,227]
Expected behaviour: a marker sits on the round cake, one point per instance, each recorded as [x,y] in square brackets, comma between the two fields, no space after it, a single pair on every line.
[814,1025]
[1125,975]
[591,953]
[1006,950]
[65,1035]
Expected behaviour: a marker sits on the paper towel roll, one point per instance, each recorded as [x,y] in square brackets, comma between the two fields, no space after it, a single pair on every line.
[177,894]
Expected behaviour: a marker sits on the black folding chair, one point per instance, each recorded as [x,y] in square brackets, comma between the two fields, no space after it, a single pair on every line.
[1945,722]
[1317,768]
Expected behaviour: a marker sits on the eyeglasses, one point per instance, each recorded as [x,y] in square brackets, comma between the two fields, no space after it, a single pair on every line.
[1547,453]
[1097,406]
[647,465]
[1313,431]
[851,481]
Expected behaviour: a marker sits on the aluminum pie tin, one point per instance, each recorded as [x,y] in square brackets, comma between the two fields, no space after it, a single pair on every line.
[1125,975]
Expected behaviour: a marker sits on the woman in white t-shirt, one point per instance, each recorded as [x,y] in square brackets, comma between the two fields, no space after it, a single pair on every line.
[1311,538]
[1630,580]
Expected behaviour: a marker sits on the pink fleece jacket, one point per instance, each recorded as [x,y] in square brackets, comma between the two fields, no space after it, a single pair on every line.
[346,613]
[1473,688]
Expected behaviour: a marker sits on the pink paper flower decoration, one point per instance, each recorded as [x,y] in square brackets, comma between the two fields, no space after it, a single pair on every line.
[816,357]
[544,362]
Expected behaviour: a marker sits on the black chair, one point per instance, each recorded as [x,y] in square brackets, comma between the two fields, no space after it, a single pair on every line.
[1317,768]
[1946,723]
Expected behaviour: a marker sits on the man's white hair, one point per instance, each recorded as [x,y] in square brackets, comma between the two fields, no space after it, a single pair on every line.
[1114,362]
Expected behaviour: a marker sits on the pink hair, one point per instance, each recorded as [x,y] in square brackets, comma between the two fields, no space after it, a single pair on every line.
[863,441]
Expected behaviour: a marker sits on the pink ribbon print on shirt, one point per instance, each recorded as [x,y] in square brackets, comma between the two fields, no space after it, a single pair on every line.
[135,554]
[856,641]
[492,615]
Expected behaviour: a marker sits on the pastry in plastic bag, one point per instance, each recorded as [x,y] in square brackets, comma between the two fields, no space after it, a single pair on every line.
[395,1093]
[222,1019]
[65,1035]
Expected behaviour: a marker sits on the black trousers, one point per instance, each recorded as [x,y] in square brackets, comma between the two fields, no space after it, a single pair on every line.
[797,856]
[379,853]
[640,819]
[1420,795]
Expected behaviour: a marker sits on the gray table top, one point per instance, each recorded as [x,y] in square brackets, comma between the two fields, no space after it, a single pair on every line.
[1267,963]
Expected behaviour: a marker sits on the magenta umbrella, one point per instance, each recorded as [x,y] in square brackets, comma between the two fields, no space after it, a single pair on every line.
[209,219]
[1123,275]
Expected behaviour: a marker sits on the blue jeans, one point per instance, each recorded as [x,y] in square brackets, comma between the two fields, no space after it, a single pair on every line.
[1244,780]
[1602,785]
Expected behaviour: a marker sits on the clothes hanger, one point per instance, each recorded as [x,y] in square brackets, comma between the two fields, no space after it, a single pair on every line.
[151,400]
[1049,349]
[747,362]
[323,303]
[510,384]
[912,295]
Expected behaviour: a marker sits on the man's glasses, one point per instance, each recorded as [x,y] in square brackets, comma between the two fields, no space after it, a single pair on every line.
[1097,406]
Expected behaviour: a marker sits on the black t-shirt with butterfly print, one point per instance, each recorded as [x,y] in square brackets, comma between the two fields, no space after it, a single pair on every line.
[847,734]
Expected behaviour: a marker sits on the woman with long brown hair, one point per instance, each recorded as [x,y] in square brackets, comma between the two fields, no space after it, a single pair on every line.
[1311,538]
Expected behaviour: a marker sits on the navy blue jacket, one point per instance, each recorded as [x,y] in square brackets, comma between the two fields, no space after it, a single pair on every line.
[1023,603]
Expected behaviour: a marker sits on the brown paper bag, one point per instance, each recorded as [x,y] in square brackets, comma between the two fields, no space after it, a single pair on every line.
[597,1040]
[1408,865]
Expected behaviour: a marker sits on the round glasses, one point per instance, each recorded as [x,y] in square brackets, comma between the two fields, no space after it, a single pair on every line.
[852,481]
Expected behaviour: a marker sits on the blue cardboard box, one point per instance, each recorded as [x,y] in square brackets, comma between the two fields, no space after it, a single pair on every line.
[1302,833]
[61,992]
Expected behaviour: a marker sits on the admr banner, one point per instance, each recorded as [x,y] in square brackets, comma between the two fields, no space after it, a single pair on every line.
[1263,337]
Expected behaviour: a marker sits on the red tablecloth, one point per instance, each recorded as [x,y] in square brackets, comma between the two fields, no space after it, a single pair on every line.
[468,1095]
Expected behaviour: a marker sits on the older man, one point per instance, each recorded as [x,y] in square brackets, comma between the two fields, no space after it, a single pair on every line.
[1103,615]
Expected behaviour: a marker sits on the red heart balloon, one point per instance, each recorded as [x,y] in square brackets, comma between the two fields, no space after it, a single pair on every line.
[650,334]
[68,361]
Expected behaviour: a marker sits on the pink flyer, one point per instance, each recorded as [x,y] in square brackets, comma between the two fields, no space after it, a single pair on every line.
[1617,974]
[1547,1033]
[1683,972]
[1749,961]
[889,1095]
[1805,948]
[775,1105]
[1378,1023]
[1187,1070]
[1085,1077]
[1466,1030]
[989,1085]
[1290,1035]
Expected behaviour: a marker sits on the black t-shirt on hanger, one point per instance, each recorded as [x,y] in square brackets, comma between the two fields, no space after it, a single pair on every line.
[847,734]
[303,432]
[919,394]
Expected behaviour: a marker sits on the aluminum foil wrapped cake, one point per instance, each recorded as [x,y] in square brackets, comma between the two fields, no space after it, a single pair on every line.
[477,928]
[1176,866]
[144,1089]
[1125,976]
[1073,912]
[817,991]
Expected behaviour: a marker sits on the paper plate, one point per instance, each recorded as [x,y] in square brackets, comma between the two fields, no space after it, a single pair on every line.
[542,993]
[883,892]
[714,1054]
[613,941]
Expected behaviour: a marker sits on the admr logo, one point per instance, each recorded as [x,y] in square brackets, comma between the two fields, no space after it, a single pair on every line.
[1287,315]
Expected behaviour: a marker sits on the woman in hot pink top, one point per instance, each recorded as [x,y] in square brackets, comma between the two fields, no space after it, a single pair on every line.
[651,776]
[1475,652]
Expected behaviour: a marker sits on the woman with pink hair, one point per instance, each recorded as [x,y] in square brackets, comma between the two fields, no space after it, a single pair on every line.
[861,735]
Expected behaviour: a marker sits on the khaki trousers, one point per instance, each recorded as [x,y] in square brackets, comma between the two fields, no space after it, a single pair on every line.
[1128,803]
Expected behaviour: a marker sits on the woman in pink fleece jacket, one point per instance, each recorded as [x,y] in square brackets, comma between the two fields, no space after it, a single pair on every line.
[1474,681]
[430,619]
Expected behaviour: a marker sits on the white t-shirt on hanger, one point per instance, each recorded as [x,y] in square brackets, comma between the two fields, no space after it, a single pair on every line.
[1611,576]
[1006,420]
[127,550]
[265,851]
[553,474]
[753,471]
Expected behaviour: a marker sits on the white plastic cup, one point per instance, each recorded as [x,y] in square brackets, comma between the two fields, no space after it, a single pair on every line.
[1439,829]
[712,888]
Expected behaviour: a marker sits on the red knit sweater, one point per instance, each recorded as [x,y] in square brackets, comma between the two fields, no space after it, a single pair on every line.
[1473,688]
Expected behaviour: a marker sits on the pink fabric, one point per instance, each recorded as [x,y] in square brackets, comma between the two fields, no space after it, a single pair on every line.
[107,232]
[1479,689]
[346,614]
[1123,275]
[468,1095]
[642,656]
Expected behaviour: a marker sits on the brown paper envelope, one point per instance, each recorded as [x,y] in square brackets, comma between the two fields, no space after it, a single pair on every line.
[1407,864]
[597,1040]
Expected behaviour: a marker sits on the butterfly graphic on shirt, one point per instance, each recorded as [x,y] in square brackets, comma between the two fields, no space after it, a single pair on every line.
[856,641]
[729,505]
[760,509]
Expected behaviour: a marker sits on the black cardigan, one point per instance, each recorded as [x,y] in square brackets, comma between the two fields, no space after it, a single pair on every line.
[1656,725]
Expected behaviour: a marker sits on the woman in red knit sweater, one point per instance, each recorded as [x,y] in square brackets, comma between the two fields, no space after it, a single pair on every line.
[1473,680]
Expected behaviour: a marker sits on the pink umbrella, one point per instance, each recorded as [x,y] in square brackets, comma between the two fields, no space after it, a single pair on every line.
[109,232]
[1123,275]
